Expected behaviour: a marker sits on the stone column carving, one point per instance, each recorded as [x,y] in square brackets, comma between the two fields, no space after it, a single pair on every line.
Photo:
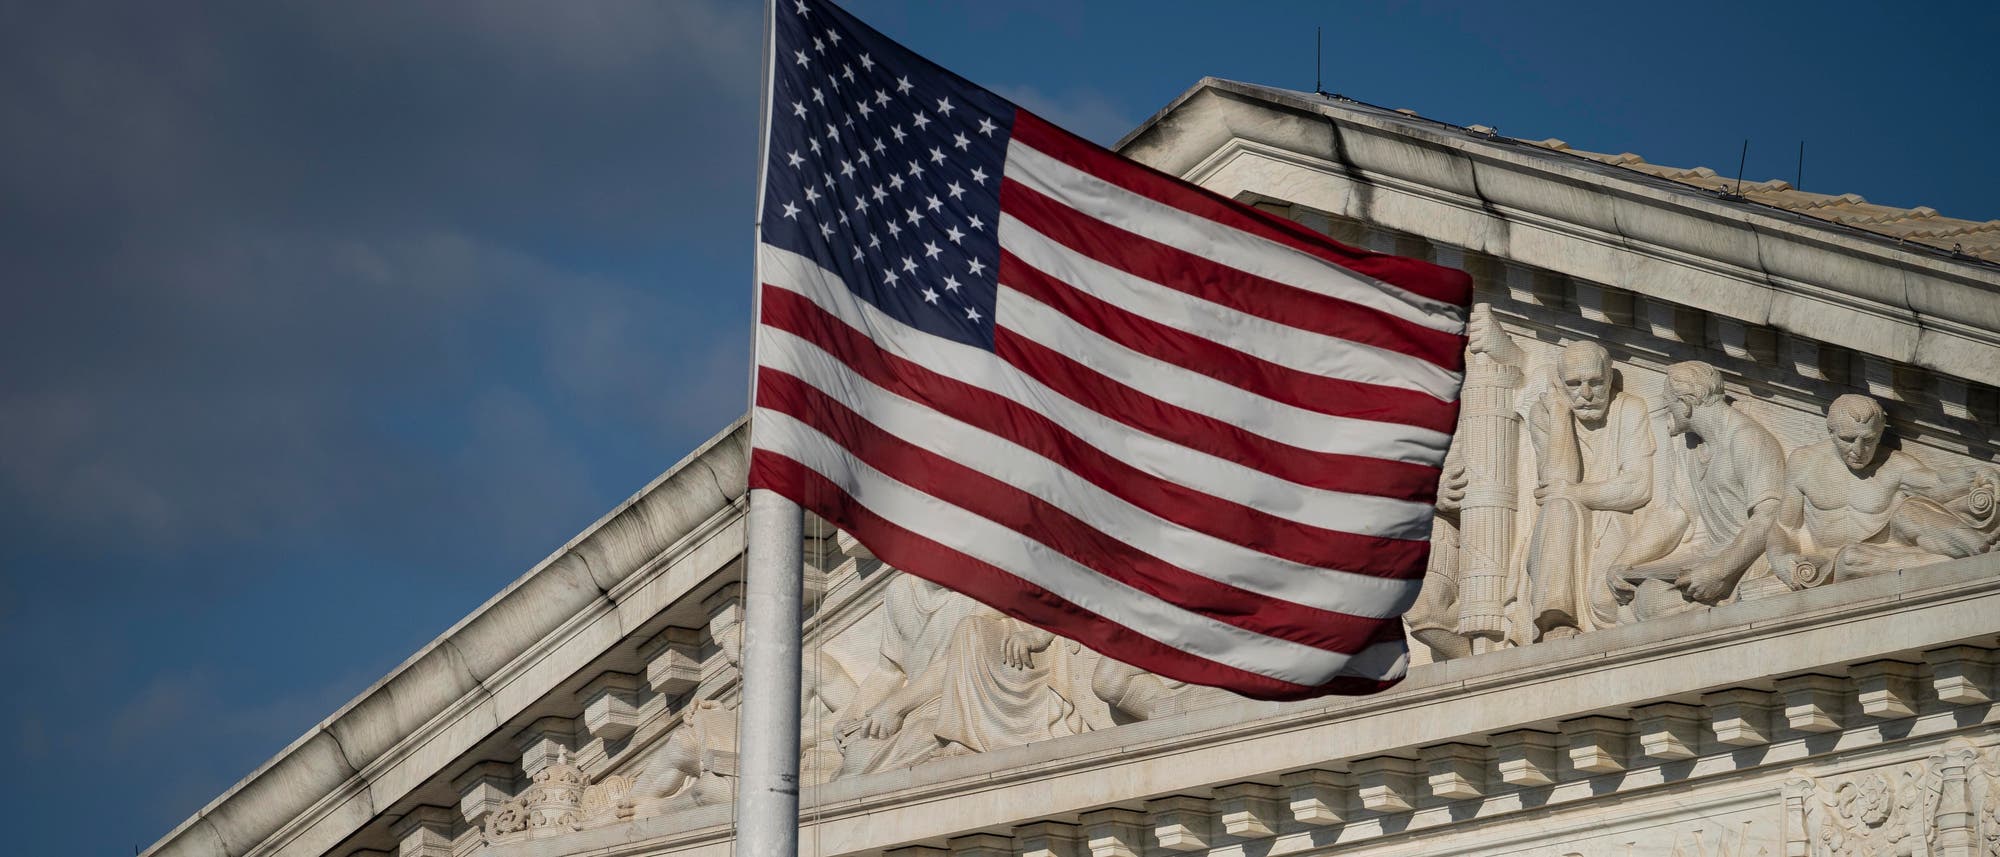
[1463,607]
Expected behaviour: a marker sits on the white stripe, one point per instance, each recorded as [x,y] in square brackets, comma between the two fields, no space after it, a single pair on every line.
[1217,559]
[1288,346]
[1221,478]
[1224,245]
[1029,560]
[1213,397]
[1358,513]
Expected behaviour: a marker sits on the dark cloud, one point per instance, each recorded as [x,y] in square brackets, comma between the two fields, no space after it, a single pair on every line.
[322,322]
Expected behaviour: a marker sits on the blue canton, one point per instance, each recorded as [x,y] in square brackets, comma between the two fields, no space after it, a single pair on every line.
[885,169]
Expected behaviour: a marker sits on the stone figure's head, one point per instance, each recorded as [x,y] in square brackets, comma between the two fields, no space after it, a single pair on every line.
[1856,422]
[727,631]
[1585,372]
[1690,385]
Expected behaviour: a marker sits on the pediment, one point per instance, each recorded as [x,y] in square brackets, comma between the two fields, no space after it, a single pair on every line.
[589,706]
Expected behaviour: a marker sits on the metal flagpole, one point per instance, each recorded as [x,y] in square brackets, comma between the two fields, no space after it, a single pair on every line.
[767,733]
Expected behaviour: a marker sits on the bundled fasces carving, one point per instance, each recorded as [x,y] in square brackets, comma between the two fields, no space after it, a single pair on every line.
[1638,513]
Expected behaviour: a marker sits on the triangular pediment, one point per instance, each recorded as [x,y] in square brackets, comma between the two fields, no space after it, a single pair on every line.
[590,706]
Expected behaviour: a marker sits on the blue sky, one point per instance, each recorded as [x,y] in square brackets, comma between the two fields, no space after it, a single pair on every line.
[324,322]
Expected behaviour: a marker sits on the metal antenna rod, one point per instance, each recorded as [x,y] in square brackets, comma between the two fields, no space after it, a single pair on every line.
[1744,159]
[1318,84]
[1799,182]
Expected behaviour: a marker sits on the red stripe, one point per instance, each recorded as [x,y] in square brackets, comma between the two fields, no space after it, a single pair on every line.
[1186,272]
[1234,522]
[995,587]
[1045,523]
[1332,396]
[1352,474]
[1414,275]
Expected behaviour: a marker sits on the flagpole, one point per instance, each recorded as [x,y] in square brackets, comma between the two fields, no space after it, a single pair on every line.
[767,733]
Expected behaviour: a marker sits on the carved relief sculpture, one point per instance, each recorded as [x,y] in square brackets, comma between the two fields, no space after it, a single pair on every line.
[1463,607]
[954,677]
[1594,454]
[1692,547]
[1942,806]
[1854,508]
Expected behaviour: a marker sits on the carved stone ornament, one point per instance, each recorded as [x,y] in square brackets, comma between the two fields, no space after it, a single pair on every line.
[553,801]
[1947,805]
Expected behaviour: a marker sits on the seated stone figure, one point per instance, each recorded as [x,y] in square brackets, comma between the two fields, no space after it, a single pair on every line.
[1594,467]
[955,677]
[1691,547]
[1853,508]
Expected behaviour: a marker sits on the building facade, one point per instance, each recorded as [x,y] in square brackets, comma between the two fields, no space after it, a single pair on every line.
[1713,575]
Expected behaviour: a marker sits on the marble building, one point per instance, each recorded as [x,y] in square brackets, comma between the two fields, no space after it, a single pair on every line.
[1714,575]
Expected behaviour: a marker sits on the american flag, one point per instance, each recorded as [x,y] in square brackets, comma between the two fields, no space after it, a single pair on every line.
[1196,437]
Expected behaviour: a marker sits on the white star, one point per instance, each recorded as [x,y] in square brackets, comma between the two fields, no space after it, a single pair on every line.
[843,218]
[812,194]
[880,146]
[857,254]
[944,106]
[878,192]
[881,98]
[791,211]
[930,295]
[976,267]
[895,182]
[833,37]
[977,223]
[826,230]
[921,121]
[861,204]
[931,203]
[916,169]
[888,278]
[863,158]
[847,169]
[894,230]
[832,133]
[955,190]
[954,234]
[873,241]
[896,131]
[799,109]
[915,218]
[931,250]
[829,181]
[803,11]
[813,144]
[950,283]
[801,55]
[866,63]
[909,264]
[979,175]
[818,96]
[902,85]
[866,110]
[793,159]
[847,71]
[959,139]
[937,155]
[972,313]
[818,45]
[987,127]
[848,121]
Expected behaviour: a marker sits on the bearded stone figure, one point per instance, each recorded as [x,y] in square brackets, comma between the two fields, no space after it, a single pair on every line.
[1854,508]
[1594,467]
[1690,548]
